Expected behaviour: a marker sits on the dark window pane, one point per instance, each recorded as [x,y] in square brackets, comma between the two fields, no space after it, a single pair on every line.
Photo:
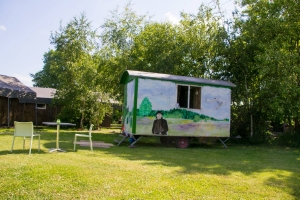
[182,96]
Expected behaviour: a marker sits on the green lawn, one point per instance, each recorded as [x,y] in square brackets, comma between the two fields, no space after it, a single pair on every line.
[150,171]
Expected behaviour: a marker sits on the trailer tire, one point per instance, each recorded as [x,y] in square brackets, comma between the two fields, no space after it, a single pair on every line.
[182,142]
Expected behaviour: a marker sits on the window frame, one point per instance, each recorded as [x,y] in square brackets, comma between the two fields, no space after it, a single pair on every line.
[189,95]
[41,106]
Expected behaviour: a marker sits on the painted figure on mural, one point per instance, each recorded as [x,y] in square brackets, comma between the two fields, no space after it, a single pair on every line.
[160,125]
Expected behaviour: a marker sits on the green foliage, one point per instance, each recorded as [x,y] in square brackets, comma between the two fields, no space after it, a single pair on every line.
[240,120]
[145,107]
[116,116]
[72,69]
[117,36]
[189,48]
[289,138]
[261,60]
[258,50]
[158,48]
[261,136]
[203,41]
[197,118]
[179,113]
[175,113]
[48,76]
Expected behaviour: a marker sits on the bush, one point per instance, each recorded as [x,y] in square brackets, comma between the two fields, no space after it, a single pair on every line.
[290,138]
[260,137]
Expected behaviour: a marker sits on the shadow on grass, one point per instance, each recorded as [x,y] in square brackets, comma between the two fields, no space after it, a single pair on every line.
[217,160]
[21,151]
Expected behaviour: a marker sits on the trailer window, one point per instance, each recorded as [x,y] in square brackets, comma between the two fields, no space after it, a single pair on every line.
[189,96]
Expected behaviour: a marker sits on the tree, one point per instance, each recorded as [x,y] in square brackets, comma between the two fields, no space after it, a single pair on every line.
[72,69]
[203,40]
[118,33]
[47,77]
[145,107]
[190,48]
[277,26]
[262,60]
[157,49]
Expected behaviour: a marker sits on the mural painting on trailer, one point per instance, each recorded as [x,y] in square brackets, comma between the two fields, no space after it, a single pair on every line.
[189,109]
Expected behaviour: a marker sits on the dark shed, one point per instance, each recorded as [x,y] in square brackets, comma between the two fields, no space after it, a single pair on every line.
[11,87]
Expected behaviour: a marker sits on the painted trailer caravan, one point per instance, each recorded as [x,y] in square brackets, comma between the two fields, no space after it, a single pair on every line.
[174,108]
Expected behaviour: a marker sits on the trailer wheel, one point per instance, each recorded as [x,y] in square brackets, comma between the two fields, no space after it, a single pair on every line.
[182,142]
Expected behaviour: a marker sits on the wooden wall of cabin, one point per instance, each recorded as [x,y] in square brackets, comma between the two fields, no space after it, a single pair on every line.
[25,112]
[106,121]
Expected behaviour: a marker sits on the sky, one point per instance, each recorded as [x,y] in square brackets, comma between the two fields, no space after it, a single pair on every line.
[26,25]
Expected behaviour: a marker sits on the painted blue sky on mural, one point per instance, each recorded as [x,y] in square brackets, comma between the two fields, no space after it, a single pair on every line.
[160,93]
[163,96]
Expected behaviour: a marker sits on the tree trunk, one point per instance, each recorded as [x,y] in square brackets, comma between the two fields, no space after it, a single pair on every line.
[82,114]
[297,125]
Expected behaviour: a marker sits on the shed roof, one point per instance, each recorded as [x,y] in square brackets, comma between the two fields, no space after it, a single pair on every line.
[43,96]
[11,87]
[129,74]
[44,92]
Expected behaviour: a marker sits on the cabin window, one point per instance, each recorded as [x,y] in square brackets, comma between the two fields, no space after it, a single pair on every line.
[189,96]
[40,106]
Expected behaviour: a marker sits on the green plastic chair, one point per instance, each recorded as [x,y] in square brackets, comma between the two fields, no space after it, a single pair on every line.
[24,129]
[86,136]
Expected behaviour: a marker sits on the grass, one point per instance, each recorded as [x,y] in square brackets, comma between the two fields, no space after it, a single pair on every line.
[150,171]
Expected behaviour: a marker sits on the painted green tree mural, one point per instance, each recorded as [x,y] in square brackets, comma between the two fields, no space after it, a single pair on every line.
[145,107]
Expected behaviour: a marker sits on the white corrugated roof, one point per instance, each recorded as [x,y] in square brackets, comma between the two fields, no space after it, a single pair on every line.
[132,73]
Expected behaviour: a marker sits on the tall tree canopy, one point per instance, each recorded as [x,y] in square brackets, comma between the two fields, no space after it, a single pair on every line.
[117,38]
[258,50]
[72,69]
[263,60]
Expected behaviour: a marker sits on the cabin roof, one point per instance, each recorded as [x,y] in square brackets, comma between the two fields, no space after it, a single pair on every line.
[43,96]
[130,74]
[11,87]
[44,92]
